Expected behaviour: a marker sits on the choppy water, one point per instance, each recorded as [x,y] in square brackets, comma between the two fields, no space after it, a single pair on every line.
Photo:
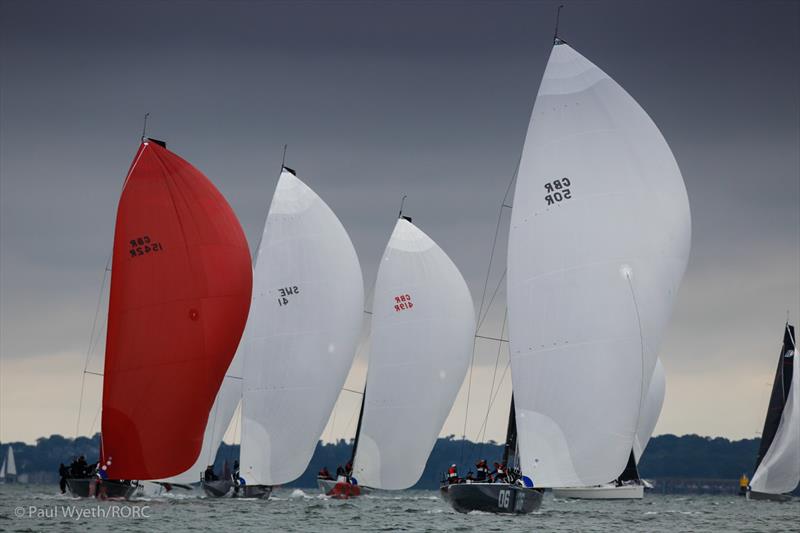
[41,508]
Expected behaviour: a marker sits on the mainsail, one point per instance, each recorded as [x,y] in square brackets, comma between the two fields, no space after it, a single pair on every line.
[598,244]
[648,418]
[180,292]
[301,335]
[423,323]
[778,463]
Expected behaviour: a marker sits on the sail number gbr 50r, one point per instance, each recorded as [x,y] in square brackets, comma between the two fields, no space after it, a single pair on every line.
[557,191]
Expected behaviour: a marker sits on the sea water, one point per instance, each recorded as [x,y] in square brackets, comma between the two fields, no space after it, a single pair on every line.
[43,508]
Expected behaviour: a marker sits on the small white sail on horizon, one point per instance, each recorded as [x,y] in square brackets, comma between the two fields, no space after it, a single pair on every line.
[9,467]
[423,323]
[598,244]
[301,335]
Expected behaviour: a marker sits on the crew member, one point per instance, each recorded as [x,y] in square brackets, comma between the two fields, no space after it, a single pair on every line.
[452,474]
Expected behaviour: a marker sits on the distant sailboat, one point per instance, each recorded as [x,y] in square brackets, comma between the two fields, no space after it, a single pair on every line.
[423,322]
[598,244]
[301,335]
[777,471]
[8,471]
[180,291]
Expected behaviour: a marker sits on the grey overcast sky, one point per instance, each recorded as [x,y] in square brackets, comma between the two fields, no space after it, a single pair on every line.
[377,100]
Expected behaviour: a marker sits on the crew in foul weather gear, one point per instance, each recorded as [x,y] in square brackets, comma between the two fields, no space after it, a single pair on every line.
[452,474]
[324,474]
[209,474]
[483,471]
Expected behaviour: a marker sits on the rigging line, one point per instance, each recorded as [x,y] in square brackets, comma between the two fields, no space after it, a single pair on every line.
[491,338]
[466,409]
[483,299]
[496,363]
[93,373]
[642,391]
[496,393]
[360,393]
[91,341]
[491,300]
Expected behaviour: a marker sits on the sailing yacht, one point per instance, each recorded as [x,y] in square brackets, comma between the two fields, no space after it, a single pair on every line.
[180,292]
[598,244]
[423,323]
[300,339]
[422,328]
[8,471]
[777,471]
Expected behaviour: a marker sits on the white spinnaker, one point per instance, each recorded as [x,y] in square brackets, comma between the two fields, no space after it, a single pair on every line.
[423,324]
[779,471]
[651,411]
[301,335]
[592,272]
[219,418]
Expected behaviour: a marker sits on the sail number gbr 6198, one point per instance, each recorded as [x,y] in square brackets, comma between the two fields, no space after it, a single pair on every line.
[557,191]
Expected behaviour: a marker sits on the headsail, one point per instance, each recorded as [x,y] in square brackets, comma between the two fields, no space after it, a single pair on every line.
[778,467]
[180,292]
[599,241]
[423,324]
[301,335]
[648,418]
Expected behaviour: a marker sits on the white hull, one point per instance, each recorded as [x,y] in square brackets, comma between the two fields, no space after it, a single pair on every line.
[603,492]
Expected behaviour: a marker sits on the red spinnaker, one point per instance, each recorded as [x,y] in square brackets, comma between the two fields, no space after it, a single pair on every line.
[181,286]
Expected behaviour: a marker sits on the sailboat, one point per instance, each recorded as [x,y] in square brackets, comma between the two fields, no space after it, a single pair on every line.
[598,244]
[300,339]
[180,292]
[423,322]
[777,471]
[629,485]
[8,471]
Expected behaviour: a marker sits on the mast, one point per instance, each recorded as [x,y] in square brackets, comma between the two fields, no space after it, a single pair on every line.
[780,393]
[511,433]
[358,425]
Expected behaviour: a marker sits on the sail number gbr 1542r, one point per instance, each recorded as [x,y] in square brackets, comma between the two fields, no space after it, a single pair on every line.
[557,191]
[143,245]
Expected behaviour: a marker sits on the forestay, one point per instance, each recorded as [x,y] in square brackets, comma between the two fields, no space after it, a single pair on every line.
[598,244]
[423,323]
[651,411]
[301,335]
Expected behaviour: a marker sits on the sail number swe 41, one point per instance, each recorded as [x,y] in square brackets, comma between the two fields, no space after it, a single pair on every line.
[285,292]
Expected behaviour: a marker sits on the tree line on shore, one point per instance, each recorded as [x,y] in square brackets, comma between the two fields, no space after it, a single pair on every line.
[666,457]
